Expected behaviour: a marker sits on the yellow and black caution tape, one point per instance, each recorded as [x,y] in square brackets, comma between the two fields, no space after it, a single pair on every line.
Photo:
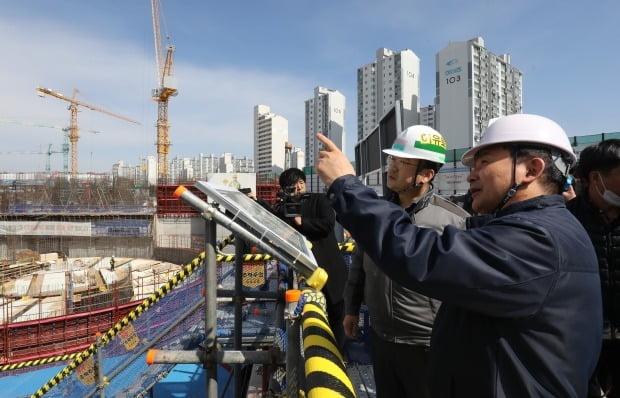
[186,271]
[344,247]
[246,257]
[326,374]
[228,240]
[36,362]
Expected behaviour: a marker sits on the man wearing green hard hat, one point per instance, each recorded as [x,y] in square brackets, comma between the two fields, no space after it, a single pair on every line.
[401,320]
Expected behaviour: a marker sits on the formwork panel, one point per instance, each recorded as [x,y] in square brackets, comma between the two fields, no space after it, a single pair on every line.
[268,192]
[168,204]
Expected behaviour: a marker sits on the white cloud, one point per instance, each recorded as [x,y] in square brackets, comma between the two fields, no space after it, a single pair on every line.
[212,113]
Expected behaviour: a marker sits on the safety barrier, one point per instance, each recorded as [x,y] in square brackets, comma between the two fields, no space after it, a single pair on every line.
[325,371]
[122,324]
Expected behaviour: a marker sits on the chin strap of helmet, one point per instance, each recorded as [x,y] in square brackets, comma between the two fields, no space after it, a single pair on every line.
[515,187]
[415,176]
[415,184]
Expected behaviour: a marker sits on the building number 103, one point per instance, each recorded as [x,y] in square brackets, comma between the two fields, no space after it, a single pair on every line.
[453,79]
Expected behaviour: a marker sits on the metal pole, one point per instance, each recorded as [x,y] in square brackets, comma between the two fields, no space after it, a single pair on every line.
[210,285]
[272,356]
[238,302]
[99,367]
[293,348]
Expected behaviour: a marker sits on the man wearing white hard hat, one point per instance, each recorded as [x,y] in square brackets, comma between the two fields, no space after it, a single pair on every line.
[521,301]
[401,319]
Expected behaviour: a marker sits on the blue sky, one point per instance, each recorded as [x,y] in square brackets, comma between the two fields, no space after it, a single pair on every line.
[232,55]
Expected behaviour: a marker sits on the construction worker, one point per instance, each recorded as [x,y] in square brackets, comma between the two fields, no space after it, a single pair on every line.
[401,319]
[521,312]
[112,262]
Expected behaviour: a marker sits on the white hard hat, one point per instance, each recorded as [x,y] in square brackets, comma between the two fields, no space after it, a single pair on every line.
[523,128]
[419,142]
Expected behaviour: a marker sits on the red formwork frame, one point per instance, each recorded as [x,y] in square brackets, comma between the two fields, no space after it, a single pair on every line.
[48,337]
[168,204]
[268,192]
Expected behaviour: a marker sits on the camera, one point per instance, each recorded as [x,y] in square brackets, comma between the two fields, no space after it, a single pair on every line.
[289,205]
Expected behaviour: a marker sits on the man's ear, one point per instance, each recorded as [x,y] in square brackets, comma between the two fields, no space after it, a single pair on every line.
[534,168]
[426,175]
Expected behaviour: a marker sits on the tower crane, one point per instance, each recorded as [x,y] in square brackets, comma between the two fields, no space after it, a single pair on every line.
[65,144]
[73,126]
[166,88]
[49,153]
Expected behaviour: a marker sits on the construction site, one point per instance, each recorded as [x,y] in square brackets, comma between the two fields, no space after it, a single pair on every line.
[90,256]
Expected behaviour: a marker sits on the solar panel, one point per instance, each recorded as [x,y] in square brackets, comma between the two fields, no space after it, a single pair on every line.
[262,223]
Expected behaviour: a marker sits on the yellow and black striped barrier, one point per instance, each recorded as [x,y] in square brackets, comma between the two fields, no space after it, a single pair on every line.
[343,247]
[107,337]
[325,371]
[246,257]
[36,362]
[225,242]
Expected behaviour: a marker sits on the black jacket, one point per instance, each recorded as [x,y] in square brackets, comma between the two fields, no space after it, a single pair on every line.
[521,312]
[317,225]
[606,240]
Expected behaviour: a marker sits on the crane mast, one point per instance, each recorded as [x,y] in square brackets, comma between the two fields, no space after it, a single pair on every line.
[166,87]
[65,144]
[73,126]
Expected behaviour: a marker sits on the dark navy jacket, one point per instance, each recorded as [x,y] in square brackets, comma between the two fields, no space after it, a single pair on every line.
[606,240]
[521,313]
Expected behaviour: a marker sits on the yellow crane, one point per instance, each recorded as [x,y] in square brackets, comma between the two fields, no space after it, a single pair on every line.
[166,88]
[73,126]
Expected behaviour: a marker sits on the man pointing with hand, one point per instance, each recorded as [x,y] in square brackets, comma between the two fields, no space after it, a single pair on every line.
[521,310]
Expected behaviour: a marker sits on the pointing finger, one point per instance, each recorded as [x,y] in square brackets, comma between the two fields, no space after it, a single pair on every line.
[329,145]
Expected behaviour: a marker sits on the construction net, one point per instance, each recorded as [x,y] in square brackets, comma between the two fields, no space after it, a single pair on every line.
[173,319]
[117,358]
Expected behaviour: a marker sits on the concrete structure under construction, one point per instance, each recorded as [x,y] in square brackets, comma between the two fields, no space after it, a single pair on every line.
[96,215]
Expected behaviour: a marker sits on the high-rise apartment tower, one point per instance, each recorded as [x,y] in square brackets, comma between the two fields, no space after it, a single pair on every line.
[324,114]
[427,116]
[270,138]
[392,77]
[473,86]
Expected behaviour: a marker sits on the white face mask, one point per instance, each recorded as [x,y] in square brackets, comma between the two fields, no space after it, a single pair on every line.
[608,196]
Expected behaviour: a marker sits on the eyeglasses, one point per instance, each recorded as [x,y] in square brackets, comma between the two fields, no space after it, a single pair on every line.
[399,162]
